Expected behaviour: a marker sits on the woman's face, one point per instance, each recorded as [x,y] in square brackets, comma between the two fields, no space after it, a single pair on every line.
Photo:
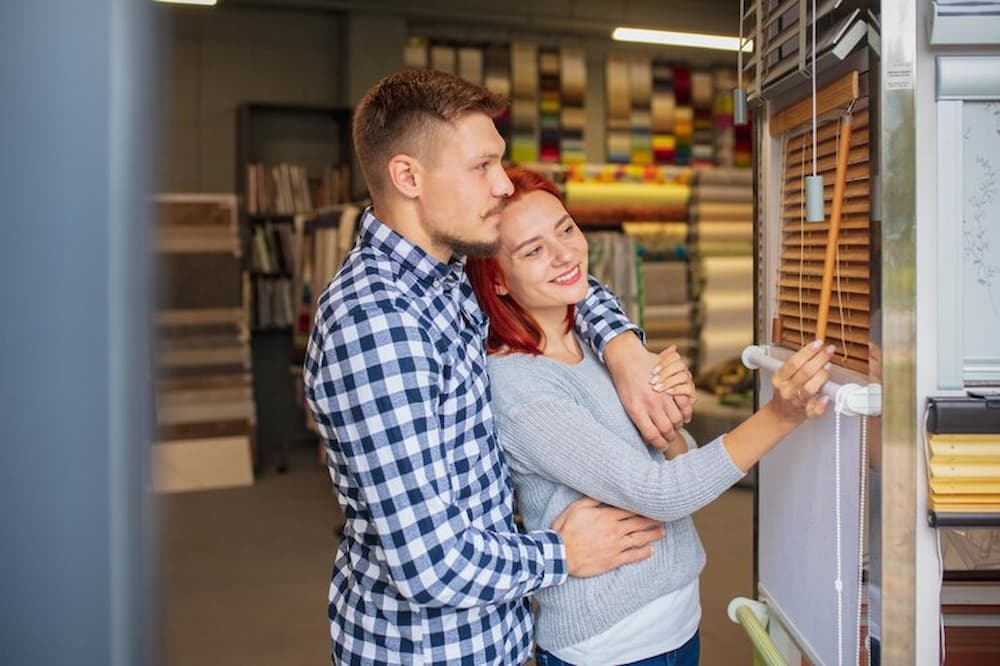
[543,254]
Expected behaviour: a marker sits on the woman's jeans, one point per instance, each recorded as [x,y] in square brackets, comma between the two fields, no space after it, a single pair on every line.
[685,655]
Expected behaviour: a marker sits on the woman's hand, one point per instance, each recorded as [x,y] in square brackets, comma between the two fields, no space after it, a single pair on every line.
[798,382]
[656,415]
[671,375]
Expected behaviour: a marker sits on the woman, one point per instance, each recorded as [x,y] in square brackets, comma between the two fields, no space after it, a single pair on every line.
[566,435]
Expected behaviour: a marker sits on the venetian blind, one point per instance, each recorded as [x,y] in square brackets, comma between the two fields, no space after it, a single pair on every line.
[803,244]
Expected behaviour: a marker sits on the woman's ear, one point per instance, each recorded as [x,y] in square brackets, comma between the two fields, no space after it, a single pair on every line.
[500,287]
[405,174]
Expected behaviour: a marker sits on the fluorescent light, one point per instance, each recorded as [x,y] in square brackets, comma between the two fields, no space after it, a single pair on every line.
[671,38]
[207,3]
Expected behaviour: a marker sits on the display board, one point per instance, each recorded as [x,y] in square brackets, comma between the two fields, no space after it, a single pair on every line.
[968,117]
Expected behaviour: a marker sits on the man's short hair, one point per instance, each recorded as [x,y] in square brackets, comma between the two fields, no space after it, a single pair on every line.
[399,112]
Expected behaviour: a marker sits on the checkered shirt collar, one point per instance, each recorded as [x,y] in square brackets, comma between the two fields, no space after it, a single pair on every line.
[413,261]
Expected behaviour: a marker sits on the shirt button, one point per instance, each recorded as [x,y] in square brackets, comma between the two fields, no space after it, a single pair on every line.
[437,283]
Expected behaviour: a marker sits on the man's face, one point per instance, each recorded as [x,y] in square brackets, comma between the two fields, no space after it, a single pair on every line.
[465,187]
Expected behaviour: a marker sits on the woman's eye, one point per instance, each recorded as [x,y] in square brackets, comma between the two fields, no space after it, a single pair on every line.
[533,252]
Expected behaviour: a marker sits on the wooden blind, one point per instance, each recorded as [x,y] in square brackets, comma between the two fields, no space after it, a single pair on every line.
[803,244]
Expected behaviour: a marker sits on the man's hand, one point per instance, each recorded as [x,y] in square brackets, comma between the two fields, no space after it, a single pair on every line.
[655,414]
[601,538]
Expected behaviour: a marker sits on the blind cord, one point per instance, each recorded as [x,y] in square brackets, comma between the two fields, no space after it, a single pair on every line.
[838,583]
[814,84]
[739,51]
[861,530]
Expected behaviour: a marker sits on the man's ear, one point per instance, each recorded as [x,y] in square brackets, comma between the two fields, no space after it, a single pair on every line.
[405,175]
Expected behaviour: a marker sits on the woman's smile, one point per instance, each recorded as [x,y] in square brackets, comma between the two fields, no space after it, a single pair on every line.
[569,277]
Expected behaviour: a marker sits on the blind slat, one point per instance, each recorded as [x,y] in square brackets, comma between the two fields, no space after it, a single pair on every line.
[850,285]
[795,228]
[845,300]
[849,238]
[825,147]
[827,130]
[816,270]
[819,254]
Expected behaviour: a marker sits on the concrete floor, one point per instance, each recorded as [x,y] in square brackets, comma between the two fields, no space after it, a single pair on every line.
[245,572]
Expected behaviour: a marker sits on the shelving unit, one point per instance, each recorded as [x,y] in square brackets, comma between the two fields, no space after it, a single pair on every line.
[205,409]
[291,159]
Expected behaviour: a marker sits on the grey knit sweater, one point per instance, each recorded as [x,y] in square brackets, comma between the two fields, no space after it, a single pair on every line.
[566,435]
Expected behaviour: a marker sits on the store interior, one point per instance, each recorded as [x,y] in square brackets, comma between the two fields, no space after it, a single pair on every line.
[256,110]
[826,169]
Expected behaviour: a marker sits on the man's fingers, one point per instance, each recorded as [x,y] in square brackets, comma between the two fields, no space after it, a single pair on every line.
[649,431]
[633,522]
[664,422]
[673,412]
[582,503]
[633,555]
[641,538]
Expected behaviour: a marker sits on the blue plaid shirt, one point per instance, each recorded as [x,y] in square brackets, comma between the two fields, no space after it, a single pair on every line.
[431,568]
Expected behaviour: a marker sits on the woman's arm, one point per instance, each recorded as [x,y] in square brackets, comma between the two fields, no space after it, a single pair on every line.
[560,439]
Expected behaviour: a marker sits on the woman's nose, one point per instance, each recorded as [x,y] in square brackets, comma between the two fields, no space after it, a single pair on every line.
[563,253]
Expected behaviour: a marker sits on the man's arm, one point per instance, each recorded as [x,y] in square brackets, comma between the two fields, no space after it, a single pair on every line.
[373,387]
[374,391]
[601,322]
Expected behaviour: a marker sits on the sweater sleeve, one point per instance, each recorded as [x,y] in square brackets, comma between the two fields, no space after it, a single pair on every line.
[599,318]
[559,439]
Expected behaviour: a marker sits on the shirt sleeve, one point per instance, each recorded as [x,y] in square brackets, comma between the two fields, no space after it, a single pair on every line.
[596,462]
[374,391]
[599,317]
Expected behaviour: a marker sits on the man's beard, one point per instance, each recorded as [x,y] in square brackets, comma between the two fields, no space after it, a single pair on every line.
[468,248]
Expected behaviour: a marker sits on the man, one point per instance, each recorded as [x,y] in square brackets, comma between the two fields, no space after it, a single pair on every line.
[431,568]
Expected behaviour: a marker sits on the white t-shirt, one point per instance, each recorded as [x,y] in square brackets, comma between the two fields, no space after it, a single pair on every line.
[660,626]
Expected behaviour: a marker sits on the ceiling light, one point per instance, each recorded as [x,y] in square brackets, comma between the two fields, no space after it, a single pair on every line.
[207,3]
[671,38]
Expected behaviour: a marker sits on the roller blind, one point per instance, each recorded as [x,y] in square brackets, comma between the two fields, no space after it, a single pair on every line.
[803,244]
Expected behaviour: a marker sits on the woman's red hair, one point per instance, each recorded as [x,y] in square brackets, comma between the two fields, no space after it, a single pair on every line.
[511,328]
